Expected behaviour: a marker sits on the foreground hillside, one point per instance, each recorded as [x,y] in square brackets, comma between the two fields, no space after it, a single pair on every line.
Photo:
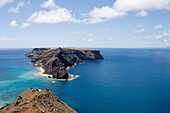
[34,101]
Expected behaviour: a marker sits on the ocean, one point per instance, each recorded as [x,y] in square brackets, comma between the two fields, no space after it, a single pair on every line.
[126,81]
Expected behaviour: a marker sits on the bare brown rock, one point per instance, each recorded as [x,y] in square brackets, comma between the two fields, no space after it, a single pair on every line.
[34,101]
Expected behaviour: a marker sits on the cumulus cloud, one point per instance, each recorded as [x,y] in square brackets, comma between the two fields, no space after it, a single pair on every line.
[159,26]
[53,16]
[4,2]
[142,14]
[100,15]
[13,23]
[16,10]
[135,5]
[56,14]
[24,25]
[122,7]
[7,39]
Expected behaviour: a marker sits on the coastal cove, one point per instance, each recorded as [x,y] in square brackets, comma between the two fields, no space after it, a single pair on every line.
[127,80]
[41,73]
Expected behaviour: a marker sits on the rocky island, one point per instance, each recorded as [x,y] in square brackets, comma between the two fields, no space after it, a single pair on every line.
[56,61]
[34,101]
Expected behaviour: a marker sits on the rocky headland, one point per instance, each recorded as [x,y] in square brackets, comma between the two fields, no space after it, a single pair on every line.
[34,101]
[56,61]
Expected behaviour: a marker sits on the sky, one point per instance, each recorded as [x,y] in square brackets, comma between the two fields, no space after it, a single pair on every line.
[85,23]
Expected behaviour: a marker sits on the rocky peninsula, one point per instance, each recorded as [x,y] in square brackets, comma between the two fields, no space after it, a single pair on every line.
[56,61]
[34,101]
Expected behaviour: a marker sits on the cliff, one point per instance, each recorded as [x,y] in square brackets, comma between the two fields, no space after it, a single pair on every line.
[55,61]
[34,101]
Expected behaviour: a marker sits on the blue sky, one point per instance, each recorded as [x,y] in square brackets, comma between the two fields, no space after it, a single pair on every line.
[85,23]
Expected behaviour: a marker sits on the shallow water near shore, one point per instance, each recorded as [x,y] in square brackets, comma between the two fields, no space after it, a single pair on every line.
[126,81]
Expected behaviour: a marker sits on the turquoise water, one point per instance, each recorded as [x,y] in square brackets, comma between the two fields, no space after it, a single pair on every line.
[127,81]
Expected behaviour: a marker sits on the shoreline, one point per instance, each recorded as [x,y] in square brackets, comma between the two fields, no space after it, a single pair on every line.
[41,73]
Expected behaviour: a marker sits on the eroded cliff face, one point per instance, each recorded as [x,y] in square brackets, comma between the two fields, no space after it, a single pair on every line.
[34,101]
[55,61]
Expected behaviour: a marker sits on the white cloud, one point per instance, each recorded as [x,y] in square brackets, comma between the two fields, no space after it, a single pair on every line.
[77,32]
[139,31]
[159,26]
[16,10]
[135,5]
[53,16]
[100,15]
[13,23]
[56,14]
[49,3]
[158,35]
[122,7]
[4,2]
[8,39]
[89,39]
[24,25]
[142,13]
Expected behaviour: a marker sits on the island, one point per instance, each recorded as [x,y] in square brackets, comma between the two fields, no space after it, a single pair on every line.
[56,61]
[34,101]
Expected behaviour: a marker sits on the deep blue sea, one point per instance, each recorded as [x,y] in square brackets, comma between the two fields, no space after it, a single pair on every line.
[126,81]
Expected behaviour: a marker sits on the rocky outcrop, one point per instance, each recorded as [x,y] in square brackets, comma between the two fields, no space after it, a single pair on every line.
[55,61]
[34,101]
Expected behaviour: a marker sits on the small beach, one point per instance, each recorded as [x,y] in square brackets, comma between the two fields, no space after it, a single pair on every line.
[41,73]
